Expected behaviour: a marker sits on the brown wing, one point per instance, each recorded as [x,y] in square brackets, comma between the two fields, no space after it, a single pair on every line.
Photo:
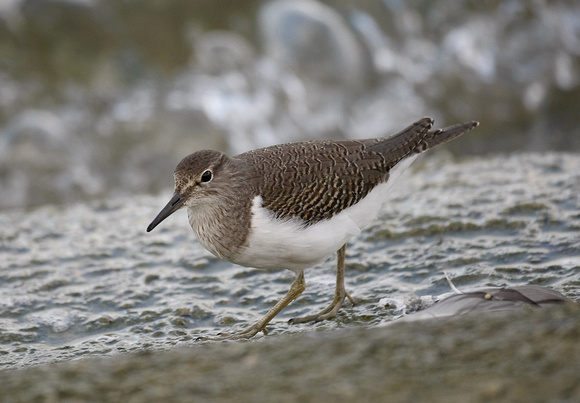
[316,180]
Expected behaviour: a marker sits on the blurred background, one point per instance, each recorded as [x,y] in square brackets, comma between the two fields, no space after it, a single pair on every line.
[101,98]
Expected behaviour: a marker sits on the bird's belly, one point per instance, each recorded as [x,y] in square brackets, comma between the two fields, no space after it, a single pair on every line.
[288,244]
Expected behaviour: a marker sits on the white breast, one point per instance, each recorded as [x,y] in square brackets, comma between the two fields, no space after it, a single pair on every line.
[287,244]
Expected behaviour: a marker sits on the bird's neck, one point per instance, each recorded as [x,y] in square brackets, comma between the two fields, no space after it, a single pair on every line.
[223,226]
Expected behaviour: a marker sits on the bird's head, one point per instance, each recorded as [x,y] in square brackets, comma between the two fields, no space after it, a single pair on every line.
[198,181]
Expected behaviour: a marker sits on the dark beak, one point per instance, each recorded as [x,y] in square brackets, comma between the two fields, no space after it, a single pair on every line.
[174,204]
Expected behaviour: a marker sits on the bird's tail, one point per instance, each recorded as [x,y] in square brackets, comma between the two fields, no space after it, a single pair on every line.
[417,138]
[439,136]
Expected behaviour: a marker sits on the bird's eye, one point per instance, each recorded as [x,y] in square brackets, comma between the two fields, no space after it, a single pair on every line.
[206,176]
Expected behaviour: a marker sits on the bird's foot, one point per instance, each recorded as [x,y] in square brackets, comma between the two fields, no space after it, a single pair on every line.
[329,312]
[244,334]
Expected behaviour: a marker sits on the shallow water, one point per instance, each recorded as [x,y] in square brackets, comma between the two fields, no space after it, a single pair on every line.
[87,280]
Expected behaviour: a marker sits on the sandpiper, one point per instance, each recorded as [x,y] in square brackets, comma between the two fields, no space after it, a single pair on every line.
[292,205]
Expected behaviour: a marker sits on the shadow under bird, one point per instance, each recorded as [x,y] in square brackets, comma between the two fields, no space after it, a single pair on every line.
[293,205]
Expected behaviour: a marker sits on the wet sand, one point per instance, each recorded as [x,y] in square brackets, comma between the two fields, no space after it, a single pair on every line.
[524,355]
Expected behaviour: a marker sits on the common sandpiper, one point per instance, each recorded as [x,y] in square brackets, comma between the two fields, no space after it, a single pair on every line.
[292,205]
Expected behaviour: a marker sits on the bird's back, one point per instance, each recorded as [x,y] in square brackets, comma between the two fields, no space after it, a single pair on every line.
[316,180]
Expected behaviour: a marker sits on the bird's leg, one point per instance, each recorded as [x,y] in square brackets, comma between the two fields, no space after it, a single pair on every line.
[339,294]
[298,286]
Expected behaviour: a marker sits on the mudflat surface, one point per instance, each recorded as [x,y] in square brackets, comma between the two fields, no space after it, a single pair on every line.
[526,355]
